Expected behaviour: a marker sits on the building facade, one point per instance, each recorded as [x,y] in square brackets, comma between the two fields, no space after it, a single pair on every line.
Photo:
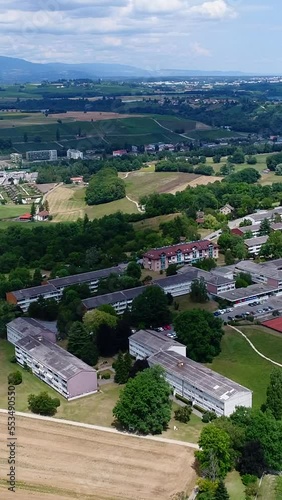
[74,154]
[44,155]
[159,259]
[193,381]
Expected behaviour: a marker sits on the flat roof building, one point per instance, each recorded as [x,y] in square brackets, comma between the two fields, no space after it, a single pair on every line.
[254,245]
[119,300]
[62,371]
[250,294]
[21,327]
[144,343]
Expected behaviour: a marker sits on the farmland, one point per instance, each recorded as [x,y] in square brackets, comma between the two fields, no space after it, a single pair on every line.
[106,466]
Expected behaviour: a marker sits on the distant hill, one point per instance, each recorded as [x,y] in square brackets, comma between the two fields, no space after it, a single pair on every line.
[14,70]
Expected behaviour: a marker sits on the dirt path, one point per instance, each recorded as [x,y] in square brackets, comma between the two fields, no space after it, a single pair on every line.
[254,348]
[169,130]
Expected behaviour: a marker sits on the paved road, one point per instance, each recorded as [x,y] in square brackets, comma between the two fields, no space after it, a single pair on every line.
[103,429]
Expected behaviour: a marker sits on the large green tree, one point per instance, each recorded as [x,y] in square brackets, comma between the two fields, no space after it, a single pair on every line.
[199,291]
[274,394]
[81,344]
[221,492]
[144,405]
[94,319]
[43,404]
[150,309]
[105,186]
[122,367]
[214,455]
[201,332]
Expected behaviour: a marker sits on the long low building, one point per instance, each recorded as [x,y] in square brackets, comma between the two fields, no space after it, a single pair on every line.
[193,381]
[119,300]
[53,289]
[65,373]
[35,346]
[256,292]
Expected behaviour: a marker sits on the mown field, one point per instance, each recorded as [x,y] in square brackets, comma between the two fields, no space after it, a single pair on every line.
[240,362]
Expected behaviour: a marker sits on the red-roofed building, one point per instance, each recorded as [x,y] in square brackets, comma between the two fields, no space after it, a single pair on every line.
[77,180]
[42,216]
[25,217]
[158,259]
[119,152]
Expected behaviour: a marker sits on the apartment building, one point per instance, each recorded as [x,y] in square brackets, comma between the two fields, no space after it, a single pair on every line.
[254,245]
[16,158]
[44,155]
[159,259]
[189,379]
[62,371]
[21,327]
[119,300]
[53,289]
[74,154]
[145,343]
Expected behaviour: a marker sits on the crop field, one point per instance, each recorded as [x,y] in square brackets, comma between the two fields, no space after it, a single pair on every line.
[72,462]
[140,183]
[240,362]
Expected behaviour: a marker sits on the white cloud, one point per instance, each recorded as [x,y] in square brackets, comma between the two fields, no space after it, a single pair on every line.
[198,50]
[215,9]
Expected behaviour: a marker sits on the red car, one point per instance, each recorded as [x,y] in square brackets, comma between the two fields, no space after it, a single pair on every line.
[167,327]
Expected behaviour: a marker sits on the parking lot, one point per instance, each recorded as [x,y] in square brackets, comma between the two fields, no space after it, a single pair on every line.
[258,309]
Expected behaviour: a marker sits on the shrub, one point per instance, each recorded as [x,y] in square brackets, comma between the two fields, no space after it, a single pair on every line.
[248,479]
[13,359]
[106,376]
[43,404]
[183,414]
[15,378]
[184,400]
[208,416]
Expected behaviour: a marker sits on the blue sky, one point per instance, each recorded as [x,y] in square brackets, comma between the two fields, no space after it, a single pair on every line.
[222,35]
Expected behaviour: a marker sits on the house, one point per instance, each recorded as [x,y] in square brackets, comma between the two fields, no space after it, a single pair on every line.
[42,216]
[227,209]
[25,217]
[77,180]
[158,259]
[74,154]
[119,152]
[200,217]
[254,245]
[188,379]
[62,371]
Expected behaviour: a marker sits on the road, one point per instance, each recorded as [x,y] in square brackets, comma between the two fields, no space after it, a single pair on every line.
[103,429]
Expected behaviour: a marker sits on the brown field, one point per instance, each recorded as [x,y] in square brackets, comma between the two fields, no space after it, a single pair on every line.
[58,461]
[91,115]
[203,180]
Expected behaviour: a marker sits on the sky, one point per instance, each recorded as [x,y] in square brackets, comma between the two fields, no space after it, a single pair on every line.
[225,35]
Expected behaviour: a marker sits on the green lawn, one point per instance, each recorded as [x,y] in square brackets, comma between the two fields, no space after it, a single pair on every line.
[267,488]
[185,432]
[186,304]
[267,342]
[278,488]
[10,210]
[235,487]
[239,362]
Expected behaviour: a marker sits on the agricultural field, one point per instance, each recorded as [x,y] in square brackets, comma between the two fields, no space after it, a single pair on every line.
[10,210]
[107,466]
[240,362]
[140,183]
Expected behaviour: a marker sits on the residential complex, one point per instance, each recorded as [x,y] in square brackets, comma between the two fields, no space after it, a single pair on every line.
[159,259]
[44,155]
[35,347]
[254,245]
[189,379]
[74,154]
[16,158]
[119,300]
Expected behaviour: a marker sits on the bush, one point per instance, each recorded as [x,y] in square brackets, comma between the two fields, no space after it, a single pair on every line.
[184,400]
[27,368]
[106,376]
[43,404]
[183,414]
[248,479]
[208,416]
[13,359]
[15,378]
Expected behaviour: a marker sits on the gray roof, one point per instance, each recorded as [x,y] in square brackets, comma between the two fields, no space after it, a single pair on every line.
[244,293]
[253,228]
[270,269]
[155,340]
[260,240]
[177,279]
[276,226]
[265,214]
[113,298]
[52,356]
[226,271]
[85,277]
[34,292]
[30,326]
[214,279]
[198,375]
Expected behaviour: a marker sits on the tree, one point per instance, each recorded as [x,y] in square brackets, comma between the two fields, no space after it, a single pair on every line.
[37,277]
[252,460]
[214,446]
[273,246]
[183,414]
[144,405]
[15,378]
[150,309]
[199,291]
[122,367]
[171,270]
[104,187]
[201,332]
[43,404]
[243,280]
[33,210]
[274,394]
[94,319]
[265,228]
[134,270]
[81,344]
[139,366]
[221,492]
[228,257]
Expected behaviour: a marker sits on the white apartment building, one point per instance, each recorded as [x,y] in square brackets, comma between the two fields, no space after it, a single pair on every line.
[145,343]
[62,371]
[23,298]
[43,155]
[254,244]
[74,154]
[119,300]
[199,384]
[21,327]
[16,158]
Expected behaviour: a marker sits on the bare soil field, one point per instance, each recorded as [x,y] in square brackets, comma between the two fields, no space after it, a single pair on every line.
[203,180]
[57,461]
[92,115]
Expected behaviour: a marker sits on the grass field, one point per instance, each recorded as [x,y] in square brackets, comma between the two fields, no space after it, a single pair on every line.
[10,210]
[140,183]
[278,488]
[154,222]
[186,304]
[235,487]
[60,461]
[239,361]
